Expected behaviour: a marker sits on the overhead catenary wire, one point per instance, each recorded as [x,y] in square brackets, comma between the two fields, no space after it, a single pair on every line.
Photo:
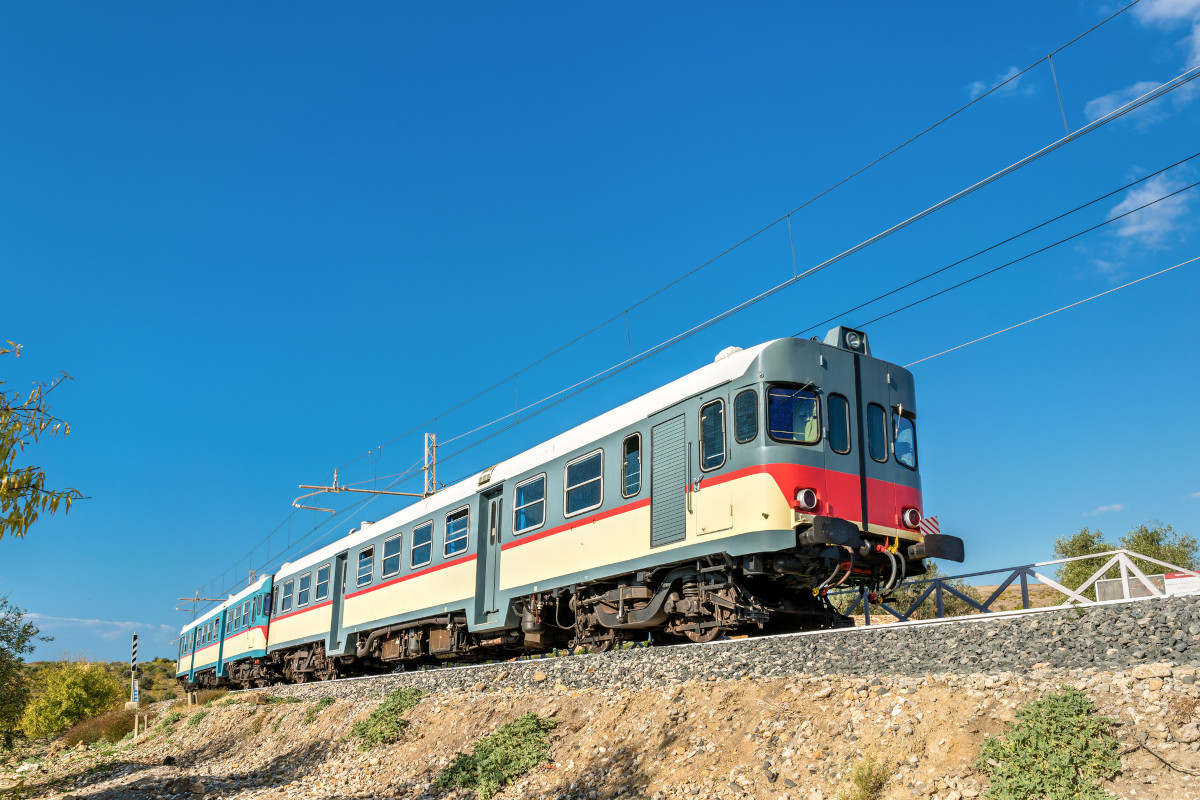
[1052,313]
[784,218]
[1000,243]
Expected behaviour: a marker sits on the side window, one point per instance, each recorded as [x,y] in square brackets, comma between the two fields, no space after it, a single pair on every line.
[631,465]
[529,504]
[422,544]
[745,416]
[266,604]
[323,582]
[302,590]
[285,599]
[905,445]
[712,435]
[457,523]
[584,483]
[246,614]
[366,564]
[839,424]
[228,621]
[257,607]
[793,415]
[391,556]
[877,438]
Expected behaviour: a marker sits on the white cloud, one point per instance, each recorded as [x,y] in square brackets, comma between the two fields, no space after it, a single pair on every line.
[108,630]
[1195,494]
[1106,104]
[1152,225]
[1013,87]
[1166,13]
[1104,509]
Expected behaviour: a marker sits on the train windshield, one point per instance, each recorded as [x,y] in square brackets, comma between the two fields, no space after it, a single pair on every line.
[793,415]
[905,444]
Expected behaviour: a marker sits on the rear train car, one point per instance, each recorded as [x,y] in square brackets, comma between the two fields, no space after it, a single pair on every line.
[229,642]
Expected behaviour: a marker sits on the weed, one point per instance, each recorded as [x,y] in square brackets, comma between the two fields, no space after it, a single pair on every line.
[206,697]
[386,723]
[501,758]
[869,777]
[278,722]
[1182,708]
[170,719]
[194,720]
[311,714]
[272,700]
[1057,749]
[255,726]
[16,791]
[112,726]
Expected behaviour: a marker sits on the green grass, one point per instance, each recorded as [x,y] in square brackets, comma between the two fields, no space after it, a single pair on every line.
[1058,749]
[170,719]
[501,758]
[316,708]
[386,723]
[194,720]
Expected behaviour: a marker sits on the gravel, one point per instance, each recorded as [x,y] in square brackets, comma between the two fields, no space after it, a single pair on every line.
[1108,638]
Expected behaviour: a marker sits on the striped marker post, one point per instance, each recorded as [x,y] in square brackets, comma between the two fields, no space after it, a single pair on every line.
[133,681]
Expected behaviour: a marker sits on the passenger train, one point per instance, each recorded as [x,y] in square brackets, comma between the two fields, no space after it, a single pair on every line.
[727,501]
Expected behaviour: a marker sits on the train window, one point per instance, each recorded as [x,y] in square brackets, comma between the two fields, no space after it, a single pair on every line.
[257,607]
[905,442]
[793,415]
[266,604]
[839,424]
[303,589]
[246,612]
[229,620]
[366,565]
[422,544]
[323,582]
[745,416]
[631,465]
[457,523]
[391,556]
[712,435]
[584,483]
[285,599]
[877,438]
[529,504]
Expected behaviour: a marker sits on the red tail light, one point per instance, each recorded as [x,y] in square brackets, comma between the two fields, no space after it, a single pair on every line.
[911,518]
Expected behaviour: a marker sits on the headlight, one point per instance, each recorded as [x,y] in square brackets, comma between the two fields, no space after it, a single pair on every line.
[806,499]
[911,518]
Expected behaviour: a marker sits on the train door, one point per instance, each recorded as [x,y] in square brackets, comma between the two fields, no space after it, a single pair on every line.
[879,490]
[844,491]
[669,480]
[336,643]
[490,538]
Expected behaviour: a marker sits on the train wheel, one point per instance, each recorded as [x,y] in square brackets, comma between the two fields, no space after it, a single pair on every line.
[702,635]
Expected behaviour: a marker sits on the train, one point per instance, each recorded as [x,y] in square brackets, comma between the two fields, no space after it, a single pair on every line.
[729,501]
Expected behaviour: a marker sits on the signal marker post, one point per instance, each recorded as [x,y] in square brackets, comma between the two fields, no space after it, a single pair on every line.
[133,681]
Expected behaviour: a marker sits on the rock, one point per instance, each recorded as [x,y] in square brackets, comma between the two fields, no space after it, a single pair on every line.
[539,676]
[1188,733]
[479,687]
[821,695]
[1143,671]
[169,761]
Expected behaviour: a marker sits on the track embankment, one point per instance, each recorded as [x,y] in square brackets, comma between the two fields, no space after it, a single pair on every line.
[785,717]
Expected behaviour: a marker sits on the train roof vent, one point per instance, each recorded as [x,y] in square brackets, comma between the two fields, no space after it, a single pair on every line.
[726,353]
[845,338]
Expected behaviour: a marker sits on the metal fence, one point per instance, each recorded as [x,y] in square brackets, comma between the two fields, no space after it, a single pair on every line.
[1131,584]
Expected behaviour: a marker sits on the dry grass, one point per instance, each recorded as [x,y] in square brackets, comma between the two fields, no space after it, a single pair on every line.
[112,726]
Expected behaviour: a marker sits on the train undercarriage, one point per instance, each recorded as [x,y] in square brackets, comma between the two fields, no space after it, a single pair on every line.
[697,601]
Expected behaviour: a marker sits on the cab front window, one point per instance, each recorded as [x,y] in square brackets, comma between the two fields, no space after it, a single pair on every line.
[905,443]
[793,415]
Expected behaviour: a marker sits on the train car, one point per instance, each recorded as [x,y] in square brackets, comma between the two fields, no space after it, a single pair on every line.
[228,643]
[729,500]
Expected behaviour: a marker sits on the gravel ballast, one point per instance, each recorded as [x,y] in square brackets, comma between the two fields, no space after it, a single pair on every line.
[1108,637]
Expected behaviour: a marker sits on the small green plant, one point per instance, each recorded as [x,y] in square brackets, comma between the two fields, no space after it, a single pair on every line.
[1058,749]
[868,778]
[255,727]
[275,700]
[194,720]
[386,723]
[170,719]
[501,758]
[316,708]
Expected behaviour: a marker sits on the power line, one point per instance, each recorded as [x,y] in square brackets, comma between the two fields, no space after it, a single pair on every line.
[989,248]
[1052,313]
[784,218]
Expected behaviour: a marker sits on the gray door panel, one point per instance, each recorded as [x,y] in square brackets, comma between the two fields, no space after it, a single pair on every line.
[668,482]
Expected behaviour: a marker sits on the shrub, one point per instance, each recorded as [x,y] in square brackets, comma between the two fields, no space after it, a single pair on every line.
[112,726]
[386,723]
[206,697]
[311,714]
[1057,749]
[66,692]
[867,780]
[501,758]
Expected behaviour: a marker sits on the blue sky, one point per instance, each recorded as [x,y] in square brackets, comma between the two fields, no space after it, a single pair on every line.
[264,241]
